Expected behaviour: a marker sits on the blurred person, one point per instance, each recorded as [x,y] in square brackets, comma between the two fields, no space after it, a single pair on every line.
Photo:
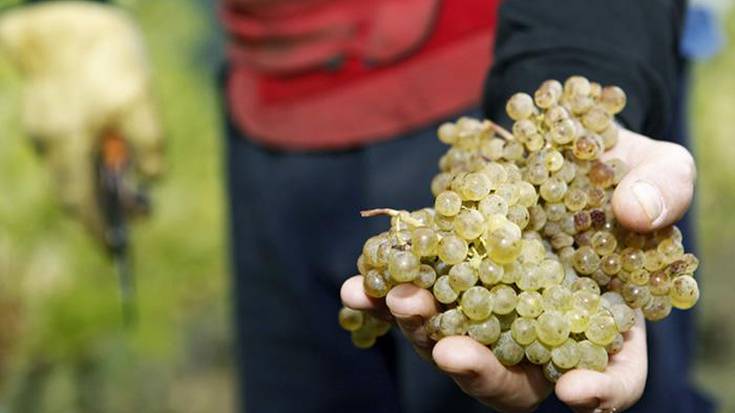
[332,107]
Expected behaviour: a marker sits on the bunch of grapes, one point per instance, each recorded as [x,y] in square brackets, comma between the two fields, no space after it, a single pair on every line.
[521,248]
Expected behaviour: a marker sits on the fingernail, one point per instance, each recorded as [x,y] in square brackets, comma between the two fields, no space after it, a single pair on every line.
[650,199]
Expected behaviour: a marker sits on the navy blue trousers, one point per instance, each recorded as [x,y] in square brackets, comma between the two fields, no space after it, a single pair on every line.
[296,234]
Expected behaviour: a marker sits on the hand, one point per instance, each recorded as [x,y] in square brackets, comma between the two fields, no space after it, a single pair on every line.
[84,74]
[655,193]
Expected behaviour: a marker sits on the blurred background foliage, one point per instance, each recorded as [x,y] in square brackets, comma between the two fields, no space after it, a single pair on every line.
[62,345]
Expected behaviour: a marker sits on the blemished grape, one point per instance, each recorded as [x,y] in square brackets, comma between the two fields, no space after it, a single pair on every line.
[566,355]
[521,249]
[507,350]
[538,353]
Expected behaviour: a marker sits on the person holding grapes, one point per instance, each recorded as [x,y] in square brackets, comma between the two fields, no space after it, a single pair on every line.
[332,107]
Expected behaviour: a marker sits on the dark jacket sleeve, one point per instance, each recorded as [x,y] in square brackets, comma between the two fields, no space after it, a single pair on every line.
[629,43]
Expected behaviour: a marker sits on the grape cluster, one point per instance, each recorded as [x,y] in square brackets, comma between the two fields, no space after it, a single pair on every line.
[521,248]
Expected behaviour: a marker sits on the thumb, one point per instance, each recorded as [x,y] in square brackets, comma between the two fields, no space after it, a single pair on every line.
[658,189]
[140,126]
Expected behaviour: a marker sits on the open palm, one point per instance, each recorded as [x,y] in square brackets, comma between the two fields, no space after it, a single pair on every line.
[655,193]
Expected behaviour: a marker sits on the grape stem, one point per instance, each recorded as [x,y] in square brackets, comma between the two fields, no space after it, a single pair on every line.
[393,213]
[504,133]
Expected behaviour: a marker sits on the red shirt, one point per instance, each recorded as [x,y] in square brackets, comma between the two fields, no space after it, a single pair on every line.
[329,74]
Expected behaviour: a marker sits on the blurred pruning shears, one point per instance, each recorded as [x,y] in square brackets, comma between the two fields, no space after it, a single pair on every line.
[120,199]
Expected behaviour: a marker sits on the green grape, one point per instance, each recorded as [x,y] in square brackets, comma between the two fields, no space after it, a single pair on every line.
[575,199]
[403,266]
[349,319]
[462,276]
[684,292]
[503,249]
[511,273]
[547,94]
[564,131]
[596,119]
[566,355]
[433,327]
[567,224]
[537,174]
[504,299]
[636,295]
[476,186]
[509,191]
[554,115]
[523,330]
[585,284]
[579,320]
[596,197]
[469,224]
[586,261]
[424,242]
[586,147]
[555,211]
[506,320]
[518,215]
[489,272]
[452,249]
[444,223]
[610,298]
[375,325]
[537,353]
[670,250]
[529,279]
[552,328]
[610,138]
[576,86]
[632,259]
[507,350]
[527,196]
[535,143]
[520,106]
[375,284]
[567,172]
[553,160]
[498,225]
[653,260]
[532,251]
[513,151]
[485,331]
[580,104]
[440,183]
[586,300]
[477,303]
[616,345]
[601,329]
[553,190]
[557,298]
[603,242]
[613,99]
[658,308]
[426,276]
[611,264]
[591,356]
[497,174]
[448,203]
[659,283]
[551,273]
[362,339]
[639,276]
[562,240]
[362,266]
[623,315]
[537,217]
[443,291]
[600,278]
[372,250]
[523,129]
[453,323]
[447,133]
[552,372]
[493,205]
[530,304]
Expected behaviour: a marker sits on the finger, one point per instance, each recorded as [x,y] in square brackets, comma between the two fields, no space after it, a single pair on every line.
[619,387]
[411,307]
[353,296]
[71,164]
[658,189]
[140,127]
[479,373]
